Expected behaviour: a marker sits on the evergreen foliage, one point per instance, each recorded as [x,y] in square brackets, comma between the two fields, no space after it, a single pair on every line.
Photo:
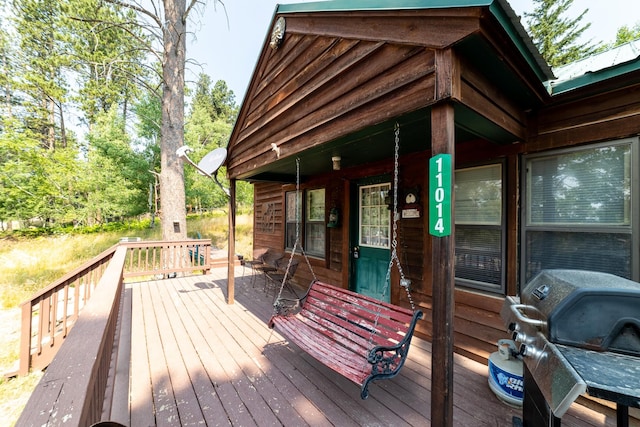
[80,129]
[556,36]
[627,34]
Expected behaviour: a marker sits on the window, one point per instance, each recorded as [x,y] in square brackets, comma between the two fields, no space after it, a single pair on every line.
[578,210]
[312,223]
[293,210]
[374,216]
[479,227]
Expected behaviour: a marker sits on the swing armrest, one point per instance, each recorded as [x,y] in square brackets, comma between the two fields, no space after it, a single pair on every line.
[286,306]
[381,363]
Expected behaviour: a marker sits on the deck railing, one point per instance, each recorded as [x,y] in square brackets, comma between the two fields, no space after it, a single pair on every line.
[74,386]
[48,316]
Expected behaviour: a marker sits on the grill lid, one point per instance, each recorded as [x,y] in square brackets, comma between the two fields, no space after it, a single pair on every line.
[587,309]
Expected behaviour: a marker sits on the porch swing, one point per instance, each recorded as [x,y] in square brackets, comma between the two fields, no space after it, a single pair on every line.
[359,337]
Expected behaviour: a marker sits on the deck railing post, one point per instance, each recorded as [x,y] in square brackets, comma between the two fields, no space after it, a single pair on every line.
[232,242]
[25,339]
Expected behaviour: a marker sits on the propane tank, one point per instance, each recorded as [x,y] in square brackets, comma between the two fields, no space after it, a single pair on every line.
[505,373]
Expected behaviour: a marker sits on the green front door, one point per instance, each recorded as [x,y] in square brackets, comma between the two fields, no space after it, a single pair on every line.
[371,240]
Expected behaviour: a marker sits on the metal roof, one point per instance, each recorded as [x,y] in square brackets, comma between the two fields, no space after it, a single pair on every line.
[595,68]
[350,5]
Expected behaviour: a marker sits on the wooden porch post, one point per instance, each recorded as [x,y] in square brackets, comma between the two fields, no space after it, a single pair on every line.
[231,255]
[442,258]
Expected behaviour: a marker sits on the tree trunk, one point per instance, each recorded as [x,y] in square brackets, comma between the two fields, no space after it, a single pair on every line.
[63,129]
[172,197]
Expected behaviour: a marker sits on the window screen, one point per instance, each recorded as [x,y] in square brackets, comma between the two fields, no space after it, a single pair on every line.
[479,231]
[578,211]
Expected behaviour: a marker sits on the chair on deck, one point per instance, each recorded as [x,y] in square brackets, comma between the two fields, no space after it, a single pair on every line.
[285,272]
[266,262]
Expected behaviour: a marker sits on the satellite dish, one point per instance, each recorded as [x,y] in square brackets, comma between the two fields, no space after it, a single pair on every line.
[212,161]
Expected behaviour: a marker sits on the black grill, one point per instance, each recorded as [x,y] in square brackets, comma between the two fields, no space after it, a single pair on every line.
[587,309]
[579,332]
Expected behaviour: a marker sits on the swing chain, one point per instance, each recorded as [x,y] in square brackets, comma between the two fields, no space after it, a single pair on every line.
[394,242]
[405,283]
[297,242]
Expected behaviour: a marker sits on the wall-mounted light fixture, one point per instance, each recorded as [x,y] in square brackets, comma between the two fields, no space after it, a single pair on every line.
[336,162]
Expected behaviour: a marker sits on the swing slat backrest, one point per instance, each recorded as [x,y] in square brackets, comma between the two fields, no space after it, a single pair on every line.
[342,329]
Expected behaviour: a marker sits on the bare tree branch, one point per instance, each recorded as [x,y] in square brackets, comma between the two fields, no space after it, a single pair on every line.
[188,10]
[138,8]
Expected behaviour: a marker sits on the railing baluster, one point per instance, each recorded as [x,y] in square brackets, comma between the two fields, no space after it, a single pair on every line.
[76,300]
[53,318]
[65,312]
[43,318]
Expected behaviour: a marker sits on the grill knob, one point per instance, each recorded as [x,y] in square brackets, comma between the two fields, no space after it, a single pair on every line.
[529,351]
[519,337]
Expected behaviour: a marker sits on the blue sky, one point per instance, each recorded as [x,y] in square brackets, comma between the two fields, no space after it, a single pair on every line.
[229,51]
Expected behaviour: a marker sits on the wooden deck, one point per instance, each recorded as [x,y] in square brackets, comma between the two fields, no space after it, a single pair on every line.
[197,361]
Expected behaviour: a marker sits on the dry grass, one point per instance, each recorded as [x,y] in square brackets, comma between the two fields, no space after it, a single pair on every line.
[216,228]
[27,266]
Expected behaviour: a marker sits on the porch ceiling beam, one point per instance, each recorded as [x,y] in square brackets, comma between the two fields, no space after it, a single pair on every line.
[484,97]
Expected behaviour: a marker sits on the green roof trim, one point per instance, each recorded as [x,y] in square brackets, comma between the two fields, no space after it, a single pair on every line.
[350,5]
[592,77]
[510,22]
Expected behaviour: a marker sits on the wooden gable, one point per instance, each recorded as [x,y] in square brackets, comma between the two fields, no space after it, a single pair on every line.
[338,73]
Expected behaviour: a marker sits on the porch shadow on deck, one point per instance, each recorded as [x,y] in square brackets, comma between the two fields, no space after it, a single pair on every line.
[197,360]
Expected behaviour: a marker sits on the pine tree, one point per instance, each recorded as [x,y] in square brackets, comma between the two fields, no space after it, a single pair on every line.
[109,56]
[627,34]
[555,35]
[43,61]
[166,23]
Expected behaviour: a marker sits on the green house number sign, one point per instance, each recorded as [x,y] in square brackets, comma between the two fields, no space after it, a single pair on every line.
[440,195]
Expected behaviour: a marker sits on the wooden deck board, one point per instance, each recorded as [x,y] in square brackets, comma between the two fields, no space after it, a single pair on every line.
[140,397]
[233,359]
[195,360]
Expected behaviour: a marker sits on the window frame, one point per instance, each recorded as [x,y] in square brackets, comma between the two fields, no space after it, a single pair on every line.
[301,210]
[500,288]
[632,229]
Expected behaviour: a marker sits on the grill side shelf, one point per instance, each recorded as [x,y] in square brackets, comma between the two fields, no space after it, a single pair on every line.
[559,382]
[610,376]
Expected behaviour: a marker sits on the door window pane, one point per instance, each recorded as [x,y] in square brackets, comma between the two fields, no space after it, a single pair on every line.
[375,216]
